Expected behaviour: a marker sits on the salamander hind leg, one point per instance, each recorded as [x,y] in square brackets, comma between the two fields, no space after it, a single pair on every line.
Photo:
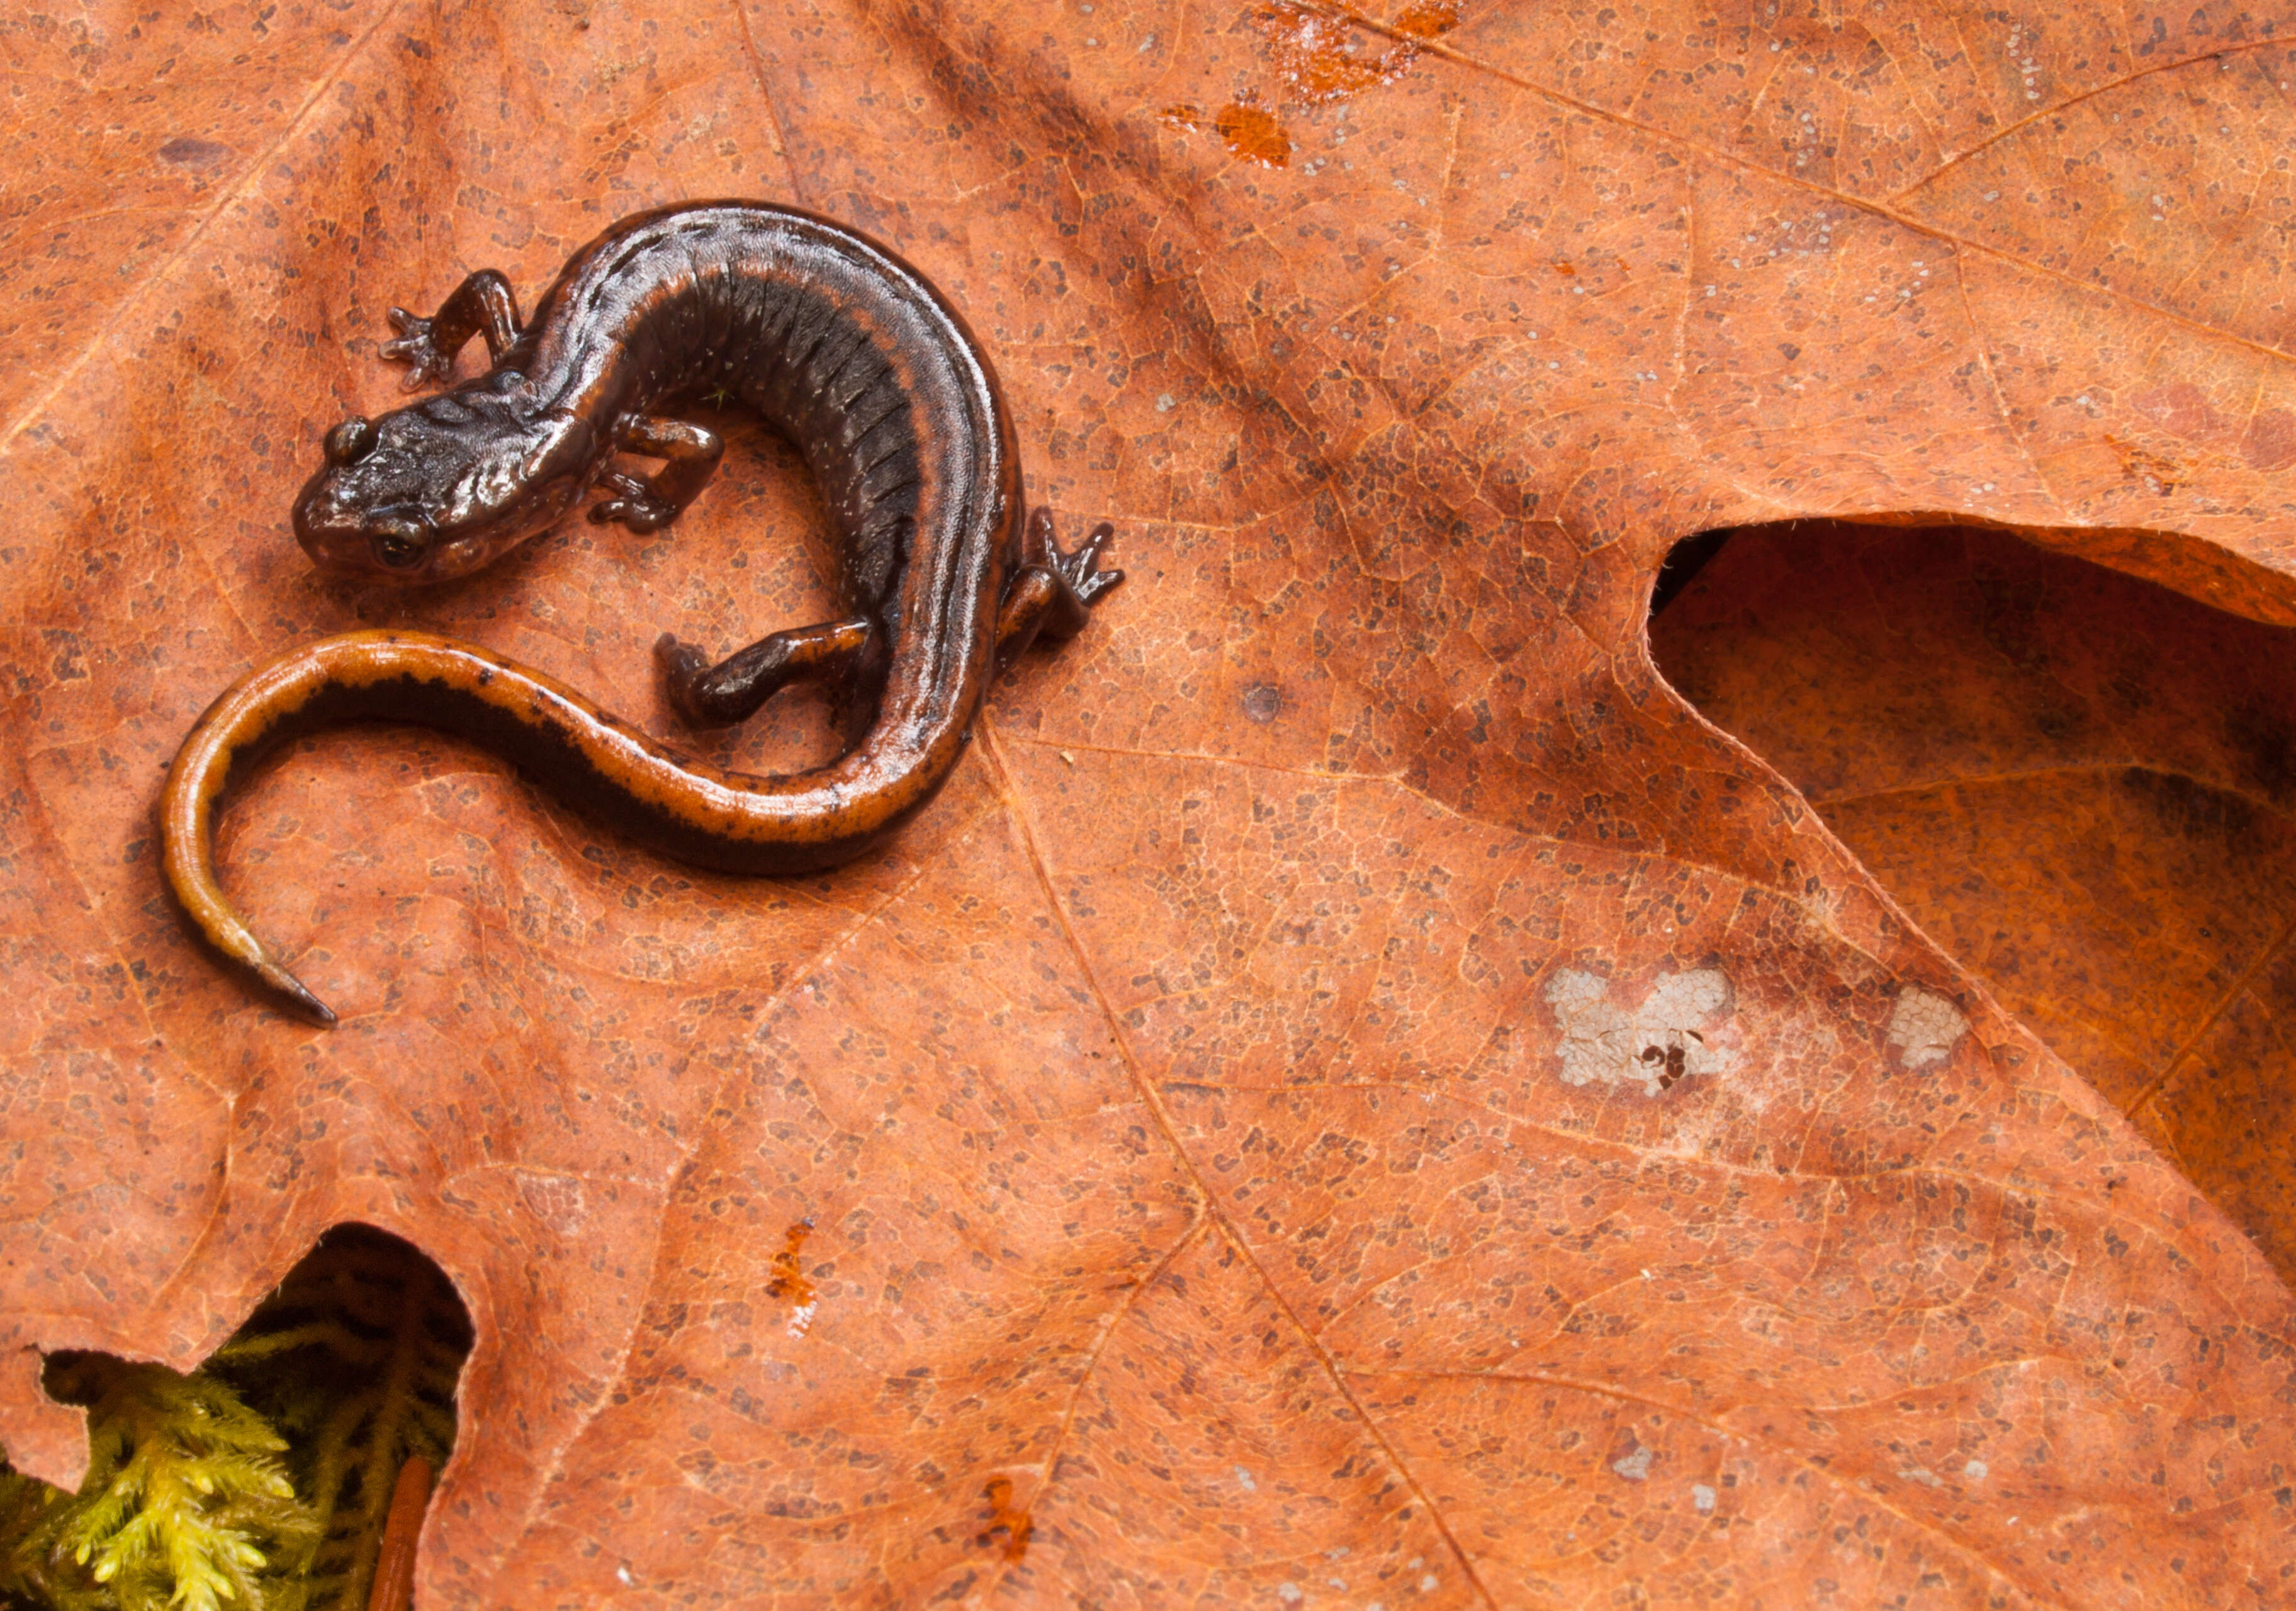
[482,305]
[718,696]
[1052,593]
[646,504]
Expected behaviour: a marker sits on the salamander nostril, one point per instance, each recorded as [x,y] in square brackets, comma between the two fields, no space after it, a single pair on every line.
[350,441]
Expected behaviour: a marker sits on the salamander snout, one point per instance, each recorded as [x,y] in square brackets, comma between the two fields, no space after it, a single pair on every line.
[373,507]
[337,523]
[342,530]
[439,489]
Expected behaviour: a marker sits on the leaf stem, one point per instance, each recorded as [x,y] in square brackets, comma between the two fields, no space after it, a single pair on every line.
[394,1570]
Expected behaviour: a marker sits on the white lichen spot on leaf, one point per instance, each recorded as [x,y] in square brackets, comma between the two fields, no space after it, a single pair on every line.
[1926,1028]
[1667,1037]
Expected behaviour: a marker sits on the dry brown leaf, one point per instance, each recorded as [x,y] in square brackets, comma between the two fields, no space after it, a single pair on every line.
[1238,1167]
[2080,783]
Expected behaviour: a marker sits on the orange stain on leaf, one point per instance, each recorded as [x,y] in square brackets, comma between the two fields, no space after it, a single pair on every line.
[1003,1522]
[1428,19]
[1320,56]
[2158,472]
[1250,134]
[1253,136]
[789,1282]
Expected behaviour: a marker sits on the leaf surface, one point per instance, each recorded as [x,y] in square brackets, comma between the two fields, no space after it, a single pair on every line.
[2077,781]
[1355,1091]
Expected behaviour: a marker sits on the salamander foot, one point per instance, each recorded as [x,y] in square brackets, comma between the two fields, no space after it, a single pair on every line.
[415,347]
[1081,569]
[634,504]
[682,666]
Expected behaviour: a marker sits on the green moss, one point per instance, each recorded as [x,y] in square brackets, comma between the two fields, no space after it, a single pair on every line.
[262,1480]
[186,1505]
[355,1359]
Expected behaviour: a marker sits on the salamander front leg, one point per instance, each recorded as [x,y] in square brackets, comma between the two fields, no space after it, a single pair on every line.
[1052,593]
[731,690]
[649,503]
[483,304]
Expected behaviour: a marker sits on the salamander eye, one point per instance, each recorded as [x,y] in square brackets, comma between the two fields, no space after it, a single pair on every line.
[351,441]
[399,545]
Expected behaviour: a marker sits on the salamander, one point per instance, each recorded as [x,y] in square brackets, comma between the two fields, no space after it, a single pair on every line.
[944,573]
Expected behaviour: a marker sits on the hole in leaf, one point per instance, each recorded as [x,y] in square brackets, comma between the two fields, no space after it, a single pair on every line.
[2080,783]
[265,1479]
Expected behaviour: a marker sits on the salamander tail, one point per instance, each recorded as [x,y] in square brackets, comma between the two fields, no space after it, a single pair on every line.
[293,992]
[215,923]
[731,821]
[234,728]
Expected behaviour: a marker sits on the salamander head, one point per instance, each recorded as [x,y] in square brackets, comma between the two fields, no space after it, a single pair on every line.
[444,486]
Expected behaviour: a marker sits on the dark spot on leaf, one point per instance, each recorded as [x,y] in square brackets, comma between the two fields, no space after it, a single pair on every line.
[190,152]
[2269,444]
[2266,742]
[1674,1057]
[2187,810]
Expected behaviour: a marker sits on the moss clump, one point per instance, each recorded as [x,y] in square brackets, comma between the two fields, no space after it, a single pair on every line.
[262,1480]
[355,1360]
[187,1505]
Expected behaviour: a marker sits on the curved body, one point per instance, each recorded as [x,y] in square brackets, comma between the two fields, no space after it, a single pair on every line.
[845,349]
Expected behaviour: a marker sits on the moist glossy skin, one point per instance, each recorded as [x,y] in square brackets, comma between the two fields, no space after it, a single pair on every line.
[836,342]
[450,484]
